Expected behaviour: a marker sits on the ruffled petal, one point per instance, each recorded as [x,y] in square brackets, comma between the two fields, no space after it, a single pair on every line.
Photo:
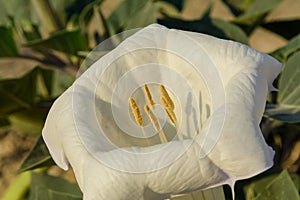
[52,134]
[220,85]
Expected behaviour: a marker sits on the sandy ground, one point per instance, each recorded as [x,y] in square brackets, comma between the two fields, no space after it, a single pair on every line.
[15,146]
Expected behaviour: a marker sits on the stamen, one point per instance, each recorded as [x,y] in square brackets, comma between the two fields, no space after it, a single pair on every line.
[136,112]
[166,96]
[156,124]
[168,109]
[148,94]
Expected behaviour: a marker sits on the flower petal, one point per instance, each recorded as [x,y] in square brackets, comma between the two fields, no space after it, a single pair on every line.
[230,79]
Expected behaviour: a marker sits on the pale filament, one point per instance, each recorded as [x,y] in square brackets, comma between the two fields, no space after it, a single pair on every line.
[156,124]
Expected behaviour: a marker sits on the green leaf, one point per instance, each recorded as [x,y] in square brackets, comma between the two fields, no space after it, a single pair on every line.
[44,187]
[238,6]
[69,42]
[214,27]
[46,82]
[38,157]
[231,30]
[208,25]
[23,93]
[178,4]
[285,113]
[256,12]
[88,12]
[55,82]
[127,9]
[18,188]
[20,10]
[8,47]
[292,46]
[29,121]
[31,32]
[289,82]
[61,81]
[63,8]
[288,108]
[274,187]
[26,11]
[86,15]
[54,195]
[36,86]
[25,101]
[18,93]
[145,16]
[167,9]
[296,179]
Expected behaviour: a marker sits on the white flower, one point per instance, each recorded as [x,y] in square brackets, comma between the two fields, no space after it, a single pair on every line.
[219,89]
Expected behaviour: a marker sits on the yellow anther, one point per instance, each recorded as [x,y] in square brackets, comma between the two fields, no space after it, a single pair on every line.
[168,109]
[136,112]
[148,94]
[164,102]
[155,123]
[166,96]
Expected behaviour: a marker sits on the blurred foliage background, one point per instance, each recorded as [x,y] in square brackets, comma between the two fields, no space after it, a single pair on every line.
[44,42]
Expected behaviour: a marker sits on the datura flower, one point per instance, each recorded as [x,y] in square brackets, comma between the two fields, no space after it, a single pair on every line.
[165,113]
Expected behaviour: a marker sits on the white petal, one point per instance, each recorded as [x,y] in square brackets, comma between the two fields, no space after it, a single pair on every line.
[229,147]
[52,134]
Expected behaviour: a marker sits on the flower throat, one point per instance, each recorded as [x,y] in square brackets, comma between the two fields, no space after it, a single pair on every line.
[168,104]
